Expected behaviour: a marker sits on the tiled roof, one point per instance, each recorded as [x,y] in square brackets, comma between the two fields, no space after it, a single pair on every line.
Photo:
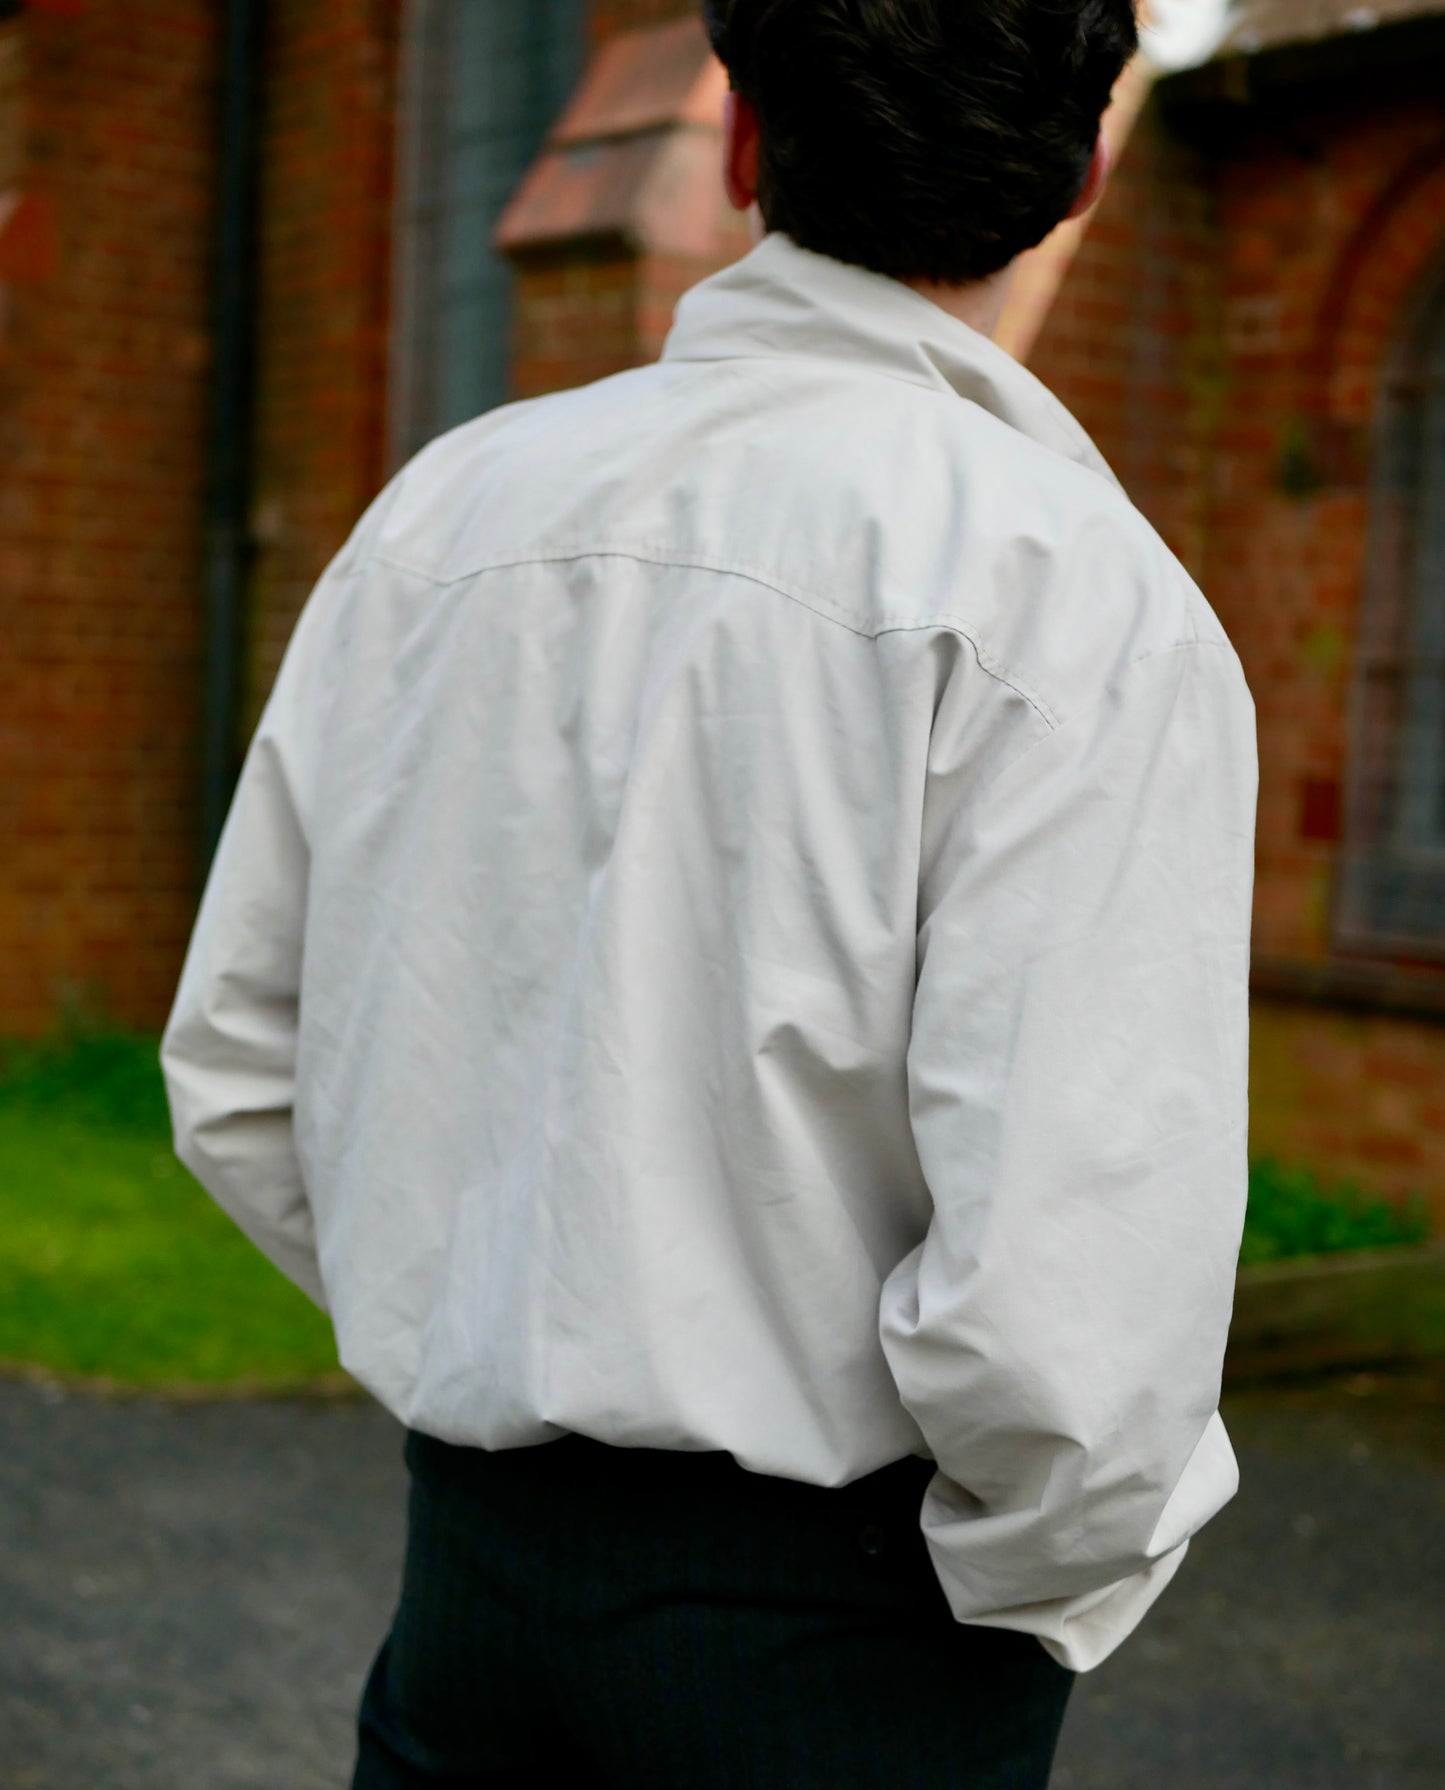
[635,155]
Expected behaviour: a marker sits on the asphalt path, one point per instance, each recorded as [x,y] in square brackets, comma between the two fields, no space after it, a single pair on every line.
[190,1596]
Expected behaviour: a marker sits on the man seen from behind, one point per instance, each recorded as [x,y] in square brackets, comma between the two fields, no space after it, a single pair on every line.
[726,976]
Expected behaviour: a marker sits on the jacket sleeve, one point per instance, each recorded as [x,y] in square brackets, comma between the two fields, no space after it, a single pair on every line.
[229,1049]
[1077,1088]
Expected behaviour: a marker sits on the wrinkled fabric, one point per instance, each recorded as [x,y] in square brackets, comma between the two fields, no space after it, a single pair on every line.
[733,934]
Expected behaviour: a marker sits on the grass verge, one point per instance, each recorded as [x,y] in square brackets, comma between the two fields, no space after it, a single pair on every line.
[113,1262]
[1291,1213]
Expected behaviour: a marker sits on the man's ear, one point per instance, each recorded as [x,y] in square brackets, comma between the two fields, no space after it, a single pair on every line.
[1099,165]
[740,151]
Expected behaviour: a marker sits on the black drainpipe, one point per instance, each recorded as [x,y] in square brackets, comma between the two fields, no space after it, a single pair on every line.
[227,537]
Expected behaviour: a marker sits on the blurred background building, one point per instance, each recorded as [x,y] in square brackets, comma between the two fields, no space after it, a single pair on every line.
[254,255]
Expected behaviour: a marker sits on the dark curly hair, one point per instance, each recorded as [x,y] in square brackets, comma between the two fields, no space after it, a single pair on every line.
[926,139]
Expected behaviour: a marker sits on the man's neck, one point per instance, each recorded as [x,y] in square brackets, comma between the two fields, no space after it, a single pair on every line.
[979,304]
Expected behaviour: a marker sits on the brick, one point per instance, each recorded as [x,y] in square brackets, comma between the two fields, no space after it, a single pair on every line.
[100,432]
[324,300]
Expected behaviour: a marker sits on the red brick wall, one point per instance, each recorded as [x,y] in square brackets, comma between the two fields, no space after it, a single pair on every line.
[328,156]
[1355,1096]
[575,317]
[102,408]
[588,311]
[1130,343]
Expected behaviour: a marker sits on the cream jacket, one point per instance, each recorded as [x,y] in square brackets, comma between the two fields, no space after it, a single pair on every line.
[733,933]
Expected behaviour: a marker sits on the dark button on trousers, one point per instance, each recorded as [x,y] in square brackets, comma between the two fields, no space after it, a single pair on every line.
[581,1615]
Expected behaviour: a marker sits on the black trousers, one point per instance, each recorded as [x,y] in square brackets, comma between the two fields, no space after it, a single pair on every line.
[592,1616]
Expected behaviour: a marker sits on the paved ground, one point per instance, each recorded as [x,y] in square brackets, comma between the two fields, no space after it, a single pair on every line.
[189,1596]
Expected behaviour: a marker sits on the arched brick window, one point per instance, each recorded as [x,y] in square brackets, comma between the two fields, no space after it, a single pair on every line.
[481,83]
[1392,892]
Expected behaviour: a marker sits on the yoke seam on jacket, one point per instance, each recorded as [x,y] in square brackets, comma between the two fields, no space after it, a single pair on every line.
[814,602]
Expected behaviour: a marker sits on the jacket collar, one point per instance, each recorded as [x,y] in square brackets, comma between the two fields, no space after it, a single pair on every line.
[782,300]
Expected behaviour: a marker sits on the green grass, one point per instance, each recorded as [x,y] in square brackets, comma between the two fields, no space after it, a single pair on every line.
[1291,1213]
[113,1262]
